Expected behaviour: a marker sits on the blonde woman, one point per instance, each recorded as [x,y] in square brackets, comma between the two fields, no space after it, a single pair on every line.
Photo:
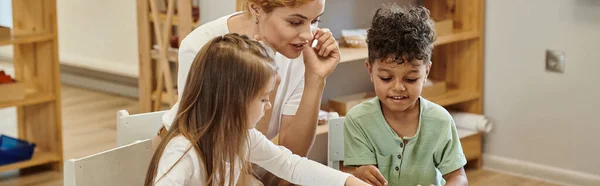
[288,27]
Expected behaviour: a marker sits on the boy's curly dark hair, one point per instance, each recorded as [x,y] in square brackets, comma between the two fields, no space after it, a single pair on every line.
[399,32]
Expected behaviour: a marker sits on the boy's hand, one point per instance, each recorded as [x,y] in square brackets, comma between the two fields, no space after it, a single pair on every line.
[371,175]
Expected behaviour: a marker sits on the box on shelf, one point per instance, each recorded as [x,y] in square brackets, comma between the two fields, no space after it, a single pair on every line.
[13,150]
[435,88]
[343,104]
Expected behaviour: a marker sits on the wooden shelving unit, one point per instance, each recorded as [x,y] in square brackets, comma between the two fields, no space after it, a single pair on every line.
[158,22]
[35,44]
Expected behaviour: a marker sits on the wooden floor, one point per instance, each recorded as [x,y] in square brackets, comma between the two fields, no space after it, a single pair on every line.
[89,126]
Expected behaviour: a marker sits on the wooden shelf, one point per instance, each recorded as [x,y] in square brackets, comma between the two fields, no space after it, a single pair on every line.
[39,158]
[453,97]
[457,37]
[171,55]
[152,31]
[323,129]
[30,99]
[162,17]
[4,40]
[164,97]
[36,64]
[354,54]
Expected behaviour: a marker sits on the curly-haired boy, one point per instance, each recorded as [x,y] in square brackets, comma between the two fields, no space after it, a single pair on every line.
[398,137]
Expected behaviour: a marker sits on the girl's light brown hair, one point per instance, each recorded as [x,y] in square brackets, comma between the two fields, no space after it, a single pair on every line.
[226,75]
[269,5]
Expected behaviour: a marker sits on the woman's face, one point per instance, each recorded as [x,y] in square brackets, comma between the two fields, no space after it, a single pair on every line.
[288,30]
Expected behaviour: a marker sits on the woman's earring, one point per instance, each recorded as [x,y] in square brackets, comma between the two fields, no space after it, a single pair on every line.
[256,20]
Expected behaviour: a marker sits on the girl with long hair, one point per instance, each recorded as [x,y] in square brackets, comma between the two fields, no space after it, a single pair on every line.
[212,140]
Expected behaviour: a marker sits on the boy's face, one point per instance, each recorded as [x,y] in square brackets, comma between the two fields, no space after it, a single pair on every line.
[398,86]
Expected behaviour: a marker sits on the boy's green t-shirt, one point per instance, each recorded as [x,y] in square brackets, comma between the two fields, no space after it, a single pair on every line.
[434,151]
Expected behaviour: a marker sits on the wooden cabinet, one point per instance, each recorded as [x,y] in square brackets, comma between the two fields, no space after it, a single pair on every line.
[35,45]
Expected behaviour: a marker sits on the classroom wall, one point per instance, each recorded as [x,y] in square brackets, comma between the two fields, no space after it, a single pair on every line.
[543,118]
[5,13]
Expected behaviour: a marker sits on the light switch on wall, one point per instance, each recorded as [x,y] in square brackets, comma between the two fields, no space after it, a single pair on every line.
[555,61]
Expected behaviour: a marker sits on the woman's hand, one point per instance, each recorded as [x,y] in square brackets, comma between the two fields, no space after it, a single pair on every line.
[371,175]
[321,60]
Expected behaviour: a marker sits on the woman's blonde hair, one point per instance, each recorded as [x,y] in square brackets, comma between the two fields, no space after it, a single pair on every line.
[228,73]
[269,5]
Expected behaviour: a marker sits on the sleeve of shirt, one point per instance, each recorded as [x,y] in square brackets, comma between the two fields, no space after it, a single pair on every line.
[291,105]
[357,149]
[449,155]
[181,172]
[293,168]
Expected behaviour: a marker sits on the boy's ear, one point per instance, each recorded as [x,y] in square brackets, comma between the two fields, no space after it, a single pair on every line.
[369,69]
[428,68]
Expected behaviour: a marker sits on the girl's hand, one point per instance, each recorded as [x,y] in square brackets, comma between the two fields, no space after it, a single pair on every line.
[371,175]
[321,60]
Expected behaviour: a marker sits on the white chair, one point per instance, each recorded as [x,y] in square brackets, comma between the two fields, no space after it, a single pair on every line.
[122,166]
[335,142]
[131,128]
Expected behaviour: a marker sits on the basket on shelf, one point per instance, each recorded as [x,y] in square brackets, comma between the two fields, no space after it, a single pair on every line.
[13,150]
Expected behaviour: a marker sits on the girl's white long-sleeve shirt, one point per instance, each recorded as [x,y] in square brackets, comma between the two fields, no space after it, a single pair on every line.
[275,159]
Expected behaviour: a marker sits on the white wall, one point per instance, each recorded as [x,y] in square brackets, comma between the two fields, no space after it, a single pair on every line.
[6,13]
[543,117]
[100,35]
[108,41]
[211,9]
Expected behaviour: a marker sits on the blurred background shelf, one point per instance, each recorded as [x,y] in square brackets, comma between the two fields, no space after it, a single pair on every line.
[39,158]
[33,36]
[354,54]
